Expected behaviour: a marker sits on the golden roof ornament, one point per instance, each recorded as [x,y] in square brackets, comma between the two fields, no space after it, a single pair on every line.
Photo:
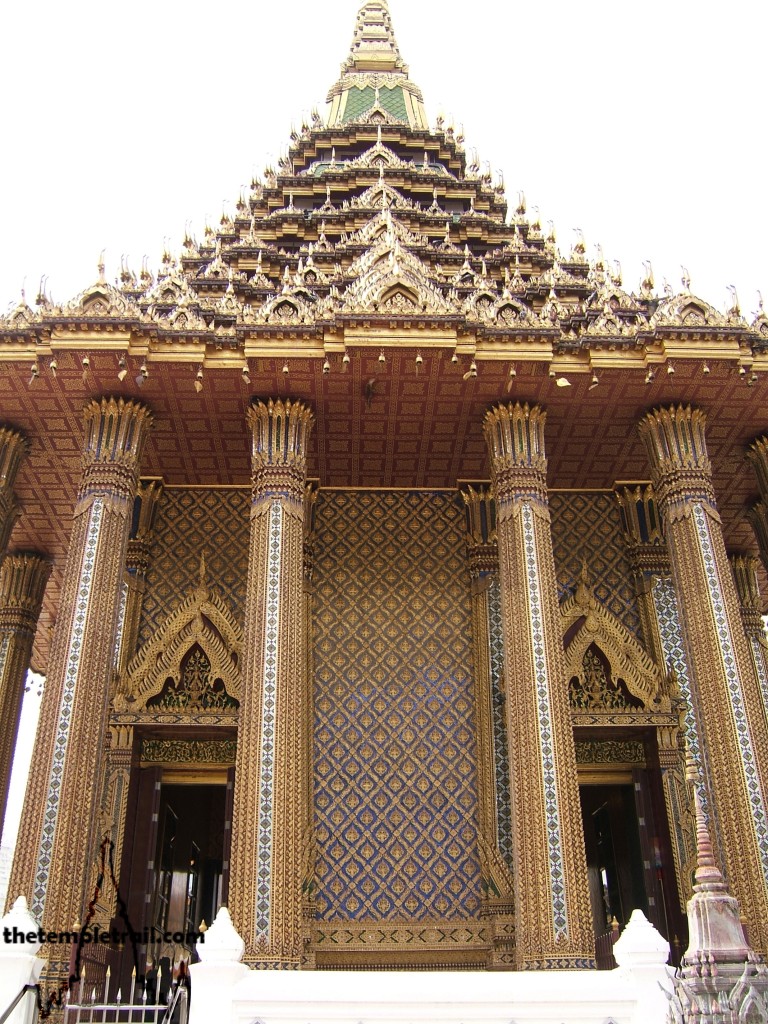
[374,78]
[243,271]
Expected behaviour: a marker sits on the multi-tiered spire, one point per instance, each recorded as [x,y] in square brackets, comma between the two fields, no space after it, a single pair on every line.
[371,212]
[374,81]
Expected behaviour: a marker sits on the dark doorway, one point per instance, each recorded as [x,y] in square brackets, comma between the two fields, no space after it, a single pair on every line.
[189,857]
[614,857]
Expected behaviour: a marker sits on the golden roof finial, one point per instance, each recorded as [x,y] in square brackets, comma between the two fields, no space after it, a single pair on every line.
[374,63]
[374,47]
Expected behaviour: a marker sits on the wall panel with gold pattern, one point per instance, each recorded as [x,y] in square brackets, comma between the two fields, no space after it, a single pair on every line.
[586,527]
[192,522]
[395,789]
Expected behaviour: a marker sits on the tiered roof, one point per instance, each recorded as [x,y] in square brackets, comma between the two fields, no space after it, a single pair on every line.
[379,274]
[372,213]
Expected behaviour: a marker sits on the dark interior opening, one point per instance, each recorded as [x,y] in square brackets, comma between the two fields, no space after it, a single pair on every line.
[189,857]
[614,857]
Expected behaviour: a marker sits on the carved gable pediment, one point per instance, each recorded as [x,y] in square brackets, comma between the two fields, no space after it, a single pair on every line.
[192,663]
[601,653]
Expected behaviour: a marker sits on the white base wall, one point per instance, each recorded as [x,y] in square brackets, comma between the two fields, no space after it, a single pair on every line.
[402,997]
[225,991]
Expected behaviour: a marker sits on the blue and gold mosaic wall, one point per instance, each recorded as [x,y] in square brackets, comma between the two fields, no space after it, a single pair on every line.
[191,522]
[587,527]
[395,785]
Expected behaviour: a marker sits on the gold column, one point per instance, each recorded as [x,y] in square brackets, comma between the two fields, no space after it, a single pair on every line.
[22,582]
[57,840]
[552,909]
[269,823]
[13,448]
[112,814]
[724,686]
[498,886]
[308,813]
[649,559]
[757,455]
[758,520]
[748,590]
[136,567]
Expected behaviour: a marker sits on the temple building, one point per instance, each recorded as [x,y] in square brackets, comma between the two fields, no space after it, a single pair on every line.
[387,565]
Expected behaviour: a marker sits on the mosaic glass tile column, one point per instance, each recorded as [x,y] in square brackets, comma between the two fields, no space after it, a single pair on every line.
[269,833]
[758,514]
[137,563]
[490,729]
[54,861]
[748,589]
[13,448]
[22,582]
[308,812]
[552,909]
[113,810]
[724,686]
[647,553]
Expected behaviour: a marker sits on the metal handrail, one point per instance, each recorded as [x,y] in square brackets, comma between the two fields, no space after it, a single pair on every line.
[135,1011]
[19,996]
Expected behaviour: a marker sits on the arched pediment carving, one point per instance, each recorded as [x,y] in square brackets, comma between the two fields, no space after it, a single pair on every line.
[510,313]
[102,299]
[686,310]
[204,621]
[391,278]
[587,622]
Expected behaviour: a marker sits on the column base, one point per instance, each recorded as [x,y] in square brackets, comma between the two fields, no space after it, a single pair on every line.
[556,963]
[273,965]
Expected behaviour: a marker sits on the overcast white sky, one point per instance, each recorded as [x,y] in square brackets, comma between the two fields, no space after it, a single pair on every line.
[643,124]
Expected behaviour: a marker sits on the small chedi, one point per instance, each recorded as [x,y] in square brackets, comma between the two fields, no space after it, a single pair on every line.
[721,979]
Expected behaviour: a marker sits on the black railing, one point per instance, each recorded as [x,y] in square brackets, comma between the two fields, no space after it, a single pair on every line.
[19,996]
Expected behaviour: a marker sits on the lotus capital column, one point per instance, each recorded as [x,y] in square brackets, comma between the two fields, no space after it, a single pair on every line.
[724,685]
[13,448]
[55,860]
[22,582]
[271,836]
[757,455]
[552,909]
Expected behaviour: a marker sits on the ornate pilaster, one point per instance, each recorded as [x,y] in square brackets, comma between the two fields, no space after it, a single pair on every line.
[113,809]
[748,589]
[270,845]
[552,908]
[22,582]
[757,454]
[647,554]
[724,686]
[757,516]
[137,563]
[13,448]
[54,857]
[308,842]
[492,791]
[649,559]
